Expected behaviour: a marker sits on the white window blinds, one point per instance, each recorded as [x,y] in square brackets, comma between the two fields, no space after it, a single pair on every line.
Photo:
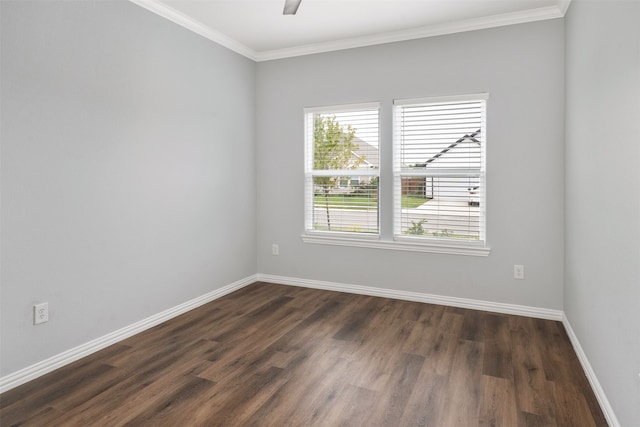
[342,169]
[439,168]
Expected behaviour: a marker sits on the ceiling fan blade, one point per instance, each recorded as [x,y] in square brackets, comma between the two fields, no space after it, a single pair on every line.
[291,7]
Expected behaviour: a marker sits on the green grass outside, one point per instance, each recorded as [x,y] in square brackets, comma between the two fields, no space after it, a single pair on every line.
[411,202]
[342,201]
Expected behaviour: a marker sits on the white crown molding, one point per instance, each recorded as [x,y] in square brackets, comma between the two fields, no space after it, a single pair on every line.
[612,420]
[44,367]
[563,5]
[197,27]
[501,20]
[496,307]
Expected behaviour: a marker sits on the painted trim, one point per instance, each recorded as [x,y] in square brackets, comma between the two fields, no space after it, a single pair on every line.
[539,14]
[44,367]
[496,307]
[48,365]
[564,6]
[197,27]
[432,246]
[480,96]
[167,12]
[343,108]
[591,375]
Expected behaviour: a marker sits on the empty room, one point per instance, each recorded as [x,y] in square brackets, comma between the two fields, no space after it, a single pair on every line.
[320,213]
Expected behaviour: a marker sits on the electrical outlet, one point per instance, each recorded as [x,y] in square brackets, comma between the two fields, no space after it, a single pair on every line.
[518,271]
[40,313]
[275,250]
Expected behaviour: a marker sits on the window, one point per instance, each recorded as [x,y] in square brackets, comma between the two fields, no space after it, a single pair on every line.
[433,196]
[342,170]
[439,169]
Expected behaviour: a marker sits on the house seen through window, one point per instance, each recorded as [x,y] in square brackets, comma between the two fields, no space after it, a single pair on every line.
[439,160]
[438,171]
[342,169]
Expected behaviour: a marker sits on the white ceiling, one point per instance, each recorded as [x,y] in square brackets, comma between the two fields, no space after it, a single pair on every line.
[258,29]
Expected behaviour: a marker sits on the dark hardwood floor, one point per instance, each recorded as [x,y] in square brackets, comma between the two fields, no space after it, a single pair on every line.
[273,355]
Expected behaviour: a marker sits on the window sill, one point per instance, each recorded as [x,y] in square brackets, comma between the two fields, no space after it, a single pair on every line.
[410,245]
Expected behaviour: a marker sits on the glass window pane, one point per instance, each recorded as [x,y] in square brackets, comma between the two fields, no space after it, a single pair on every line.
[351,209]
[444,207]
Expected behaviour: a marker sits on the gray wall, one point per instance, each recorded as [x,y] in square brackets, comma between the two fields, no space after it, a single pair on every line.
[122,138]
[602,282]
[522,67]
[122,134]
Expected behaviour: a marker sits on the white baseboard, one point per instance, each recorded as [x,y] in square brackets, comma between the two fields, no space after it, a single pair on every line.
[519,310]
[496,307]
[41,368]
[38,369]
[591,375]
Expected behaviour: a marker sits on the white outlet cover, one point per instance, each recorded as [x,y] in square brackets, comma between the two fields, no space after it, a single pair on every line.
[40,313]
[518,271]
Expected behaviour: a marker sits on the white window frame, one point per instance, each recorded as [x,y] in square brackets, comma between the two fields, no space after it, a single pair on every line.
[323,235]
[398,172]
[374,241]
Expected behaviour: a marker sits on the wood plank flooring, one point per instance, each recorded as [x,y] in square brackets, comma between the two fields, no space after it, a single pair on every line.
[273,355]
